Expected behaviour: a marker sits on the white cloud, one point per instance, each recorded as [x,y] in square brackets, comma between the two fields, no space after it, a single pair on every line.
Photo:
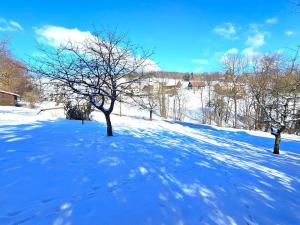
[229,52]
[280,51]
[151,66]
[289,32]
[56,36]
[218,54]
[255,27]
[200,61]
[250,53]
[9,25]
[227,30]
[272,20]
[232,51]
[256,41]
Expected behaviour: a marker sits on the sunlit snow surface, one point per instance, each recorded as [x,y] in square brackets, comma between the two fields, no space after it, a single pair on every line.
[59,172]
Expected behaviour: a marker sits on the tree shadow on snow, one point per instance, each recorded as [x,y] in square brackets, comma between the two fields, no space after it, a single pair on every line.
[64,172]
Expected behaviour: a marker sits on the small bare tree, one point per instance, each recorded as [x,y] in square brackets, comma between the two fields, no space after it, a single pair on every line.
[209,82]
[203,119]
[219,105]
[179,106]
[97,68]
[148,99]
[163,100]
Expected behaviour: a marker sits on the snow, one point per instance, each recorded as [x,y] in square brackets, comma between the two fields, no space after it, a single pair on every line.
[59,172]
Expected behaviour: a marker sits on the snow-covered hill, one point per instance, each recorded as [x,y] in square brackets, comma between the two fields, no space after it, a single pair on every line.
[59,172]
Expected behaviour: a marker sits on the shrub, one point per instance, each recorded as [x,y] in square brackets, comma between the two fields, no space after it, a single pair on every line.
[77,111]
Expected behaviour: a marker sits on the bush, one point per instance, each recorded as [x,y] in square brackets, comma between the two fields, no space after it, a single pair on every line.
[78,112]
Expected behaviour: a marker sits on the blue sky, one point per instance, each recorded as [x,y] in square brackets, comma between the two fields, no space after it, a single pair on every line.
[186,35]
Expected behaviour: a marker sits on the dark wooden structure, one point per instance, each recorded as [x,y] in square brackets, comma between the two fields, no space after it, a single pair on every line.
[8,98]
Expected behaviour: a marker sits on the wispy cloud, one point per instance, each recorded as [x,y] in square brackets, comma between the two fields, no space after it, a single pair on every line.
[253,43]
[225,55]
[232,51]
[226,30]
[289,32]
[255,27]
[256,41]
[199,69]
[256,38]
[272,20]
[9,25]
[250,53]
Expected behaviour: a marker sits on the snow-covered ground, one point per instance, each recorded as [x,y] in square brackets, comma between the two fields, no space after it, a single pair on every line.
[59,172]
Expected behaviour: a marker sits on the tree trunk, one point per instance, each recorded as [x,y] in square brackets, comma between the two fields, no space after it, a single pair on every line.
[235,112]
[257,116]
[174,109]
[209,104]
[150,114]
[276,144]
[202,107]
[277,134]
[163,105]
[108,124]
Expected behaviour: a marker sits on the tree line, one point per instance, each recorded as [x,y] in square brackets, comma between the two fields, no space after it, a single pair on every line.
[261,93]
[15,76]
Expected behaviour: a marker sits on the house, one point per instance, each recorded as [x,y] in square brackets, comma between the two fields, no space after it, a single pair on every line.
[196,85]
[8,98]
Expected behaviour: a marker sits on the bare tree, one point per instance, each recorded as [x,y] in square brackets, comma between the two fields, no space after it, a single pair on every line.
[97,68]
[235,65]
[280,93]
[209,81]
[179,106]
[202,105]
[163,98]
[219,104]
[148,99]
[264,67]
[14,76]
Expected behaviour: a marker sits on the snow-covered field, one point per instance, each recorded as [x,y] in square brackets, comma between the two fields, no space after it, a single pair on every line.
[59,172]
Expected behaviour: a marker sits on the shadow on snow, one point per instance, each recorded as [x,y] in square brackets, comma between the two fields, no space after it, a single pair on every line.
[62,172]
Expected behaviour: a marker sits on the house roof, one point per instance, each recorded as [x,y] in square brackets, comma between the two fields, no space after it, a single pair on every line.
[9,93]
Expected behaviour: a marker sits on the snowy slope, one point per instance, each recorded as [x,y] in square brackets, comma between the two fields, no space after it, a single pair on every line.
[55,171]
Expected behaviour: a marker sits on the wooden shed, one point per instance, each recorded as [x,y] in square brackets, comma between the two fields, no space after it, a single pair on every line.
[8,98]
